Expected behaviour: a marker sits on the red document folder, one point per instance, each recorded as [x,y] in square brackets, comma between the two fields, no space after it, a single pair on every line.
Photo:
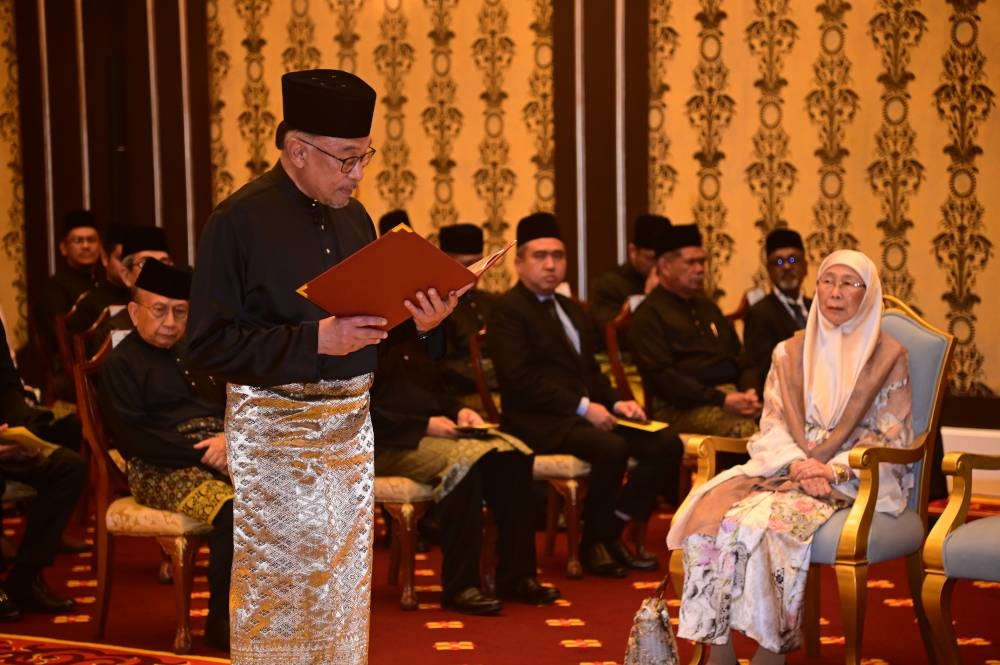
[376,279]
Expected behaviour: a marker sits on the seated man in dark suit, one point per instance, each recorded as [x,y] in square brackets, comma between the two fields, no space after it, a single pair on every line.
[783,311]
[687,352]
[418,434]
[167,420]
[556,399]
[56,473]
[635,277]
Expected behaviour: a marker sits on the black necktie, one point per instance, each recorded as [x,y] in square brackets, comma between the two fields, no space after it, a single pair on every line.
[799,315]
[550,307]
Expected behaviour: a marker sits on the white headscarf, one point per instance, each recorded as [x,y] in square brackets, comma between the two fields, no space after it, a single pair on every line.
[834,356]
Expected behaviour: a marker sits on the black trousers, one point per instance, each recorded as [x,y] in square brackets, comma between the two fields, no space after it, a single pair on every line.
[503,482]
[658,457]
[58,479]
[220,561]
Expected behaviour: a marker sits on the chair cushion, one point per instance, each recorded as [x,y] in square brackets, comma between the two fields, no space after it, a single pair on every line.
[126,517]
[559,466]
[397,489]
[891,537]
[970,551]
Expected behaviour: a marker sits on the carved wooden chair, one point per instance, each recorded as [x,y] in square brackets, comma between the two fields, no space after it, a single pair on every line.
[118,514]
[406,501]
[957,549]
[855,537]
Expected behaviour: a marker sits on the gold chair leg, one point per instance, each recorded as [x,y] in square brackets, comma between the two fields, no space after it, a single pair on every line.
[182,550]
[852,583]
[915,574]
[810,612]
[936,599]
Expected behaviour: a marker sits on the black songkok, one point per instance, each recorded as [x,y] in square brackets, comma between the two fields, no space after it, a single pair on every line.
[76,219]
[461,239]
[327,102]
[391,220]
[143,239]
[172,282]
[649,231]
[677,237]
[537,225]
[782,238]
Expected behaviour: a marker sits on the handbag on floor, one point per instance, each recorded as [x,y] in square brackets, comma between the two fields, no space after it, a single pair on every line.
[651,640]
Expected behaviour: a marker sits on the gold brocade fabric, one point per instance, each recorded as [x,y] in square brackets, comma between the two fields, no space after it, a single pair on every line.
[300,457]
[191,490]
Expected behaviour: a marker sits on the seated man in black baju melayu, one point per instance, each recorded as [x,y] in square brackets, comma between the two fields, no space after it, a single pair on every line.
[167,421]
[418,435]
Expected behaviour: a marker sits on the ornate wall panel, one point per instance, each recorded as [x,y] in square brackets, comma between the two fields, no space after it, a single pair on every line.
[662,48]
[963,249]
[538,114]
[394,59]
[13,289]
[218,60]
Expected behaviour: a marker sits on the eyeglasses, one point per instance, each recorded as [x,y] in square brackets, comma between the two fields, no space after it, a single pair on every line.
[83,240]
[160,311]
[845,285]
[347,164]
[131,262]
[789,261]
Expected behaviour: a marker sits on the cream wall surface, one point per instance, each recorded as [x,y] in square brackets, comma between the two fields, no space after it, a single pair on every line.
[868,124]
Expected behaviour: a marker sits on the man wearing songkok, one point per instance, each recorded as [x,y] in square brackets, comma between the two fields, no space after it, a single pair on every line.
[297,421]
[636,277]
[556,400]
[464,243]
[125,248]
[166,419]
[687,352]
[391,220]
[779,314]
[420,433]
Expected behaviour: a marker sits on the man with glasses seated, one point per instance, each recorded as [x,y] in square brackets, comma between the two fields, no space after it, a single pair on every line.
[687,351]
[167,421]
[782,312]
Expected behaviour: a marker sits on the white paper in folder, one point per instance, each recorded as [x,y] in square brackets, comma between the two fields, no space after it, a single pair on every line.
[981,441]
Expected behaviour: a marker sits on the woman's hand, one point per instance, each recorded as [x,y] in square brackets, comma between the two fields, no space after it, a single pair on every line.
[805,469]
[816,487]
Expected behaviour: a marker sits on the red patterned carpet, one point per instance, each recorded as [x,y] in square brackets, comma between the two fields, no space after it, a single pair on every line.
[589,626]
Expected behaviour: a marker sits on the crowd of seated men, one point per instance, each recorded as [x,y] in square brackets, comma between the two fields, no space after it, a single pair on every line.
[165,416]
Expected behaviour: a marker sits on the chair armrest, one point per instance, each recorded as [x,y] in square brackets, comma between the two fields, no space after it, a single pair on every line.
[960,465]
[706,448]
[865,459]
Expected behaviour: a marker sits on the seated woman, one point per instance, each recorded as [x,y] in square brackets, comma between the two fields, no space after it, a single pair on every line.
[747,533]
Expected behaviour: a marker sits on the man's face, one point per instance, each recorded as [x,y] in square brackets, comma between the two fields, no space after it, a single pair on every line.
[159,320]
[132,265]
[786,266]
[541,265]
[81,247]
[113,264]
[642,259]
[320,169]
[683,271]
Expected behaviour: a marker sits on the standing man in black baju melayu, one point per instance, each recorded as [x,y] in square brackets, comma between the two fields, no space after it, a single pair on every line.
[297,422]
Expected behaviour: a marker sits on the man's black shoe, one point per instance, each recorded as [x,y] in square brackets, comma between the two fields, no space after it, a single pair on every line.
[472,601]
[9,610]
[528,590]
[217,633]
[597,560]
[621,554]
[37,597]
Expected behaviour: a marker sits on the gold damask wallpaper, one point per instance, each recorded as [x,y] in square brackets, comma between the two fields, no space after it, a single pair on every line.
[464,119]
[13,299]
[868,124]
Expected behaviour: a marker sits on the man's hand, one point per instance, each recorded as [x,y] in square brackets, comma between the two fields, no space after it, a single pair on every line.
[744,404]
[469,418]
[215,453]
[12,452]
[631,410]
[341,335]
[600,417]
[442,426]
[430,309]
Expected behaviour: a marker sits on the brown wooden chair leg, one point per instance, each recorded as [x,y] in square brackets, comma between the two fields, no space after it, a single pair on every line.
[104,553]
[810,612]
[488,558]
[552,505]
[573,493]
[405,517]
[182,550]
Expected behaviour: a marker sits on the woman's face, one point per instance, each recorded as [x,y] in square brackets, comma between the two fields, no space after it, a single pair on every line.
[840,292]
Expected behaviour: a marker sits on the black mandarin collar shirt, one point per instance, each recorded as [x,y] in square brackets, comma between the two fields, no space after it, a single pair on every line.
[248,325]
